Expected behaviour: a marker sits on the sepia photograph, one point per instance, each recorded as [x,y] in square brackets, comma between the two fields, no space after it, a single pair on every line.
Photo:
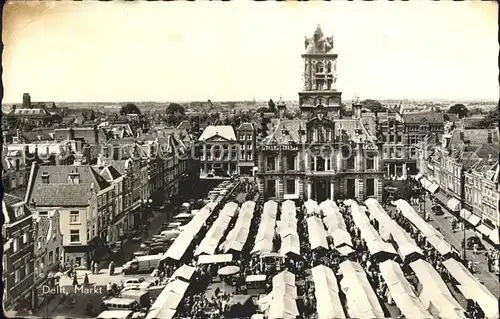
[241,159]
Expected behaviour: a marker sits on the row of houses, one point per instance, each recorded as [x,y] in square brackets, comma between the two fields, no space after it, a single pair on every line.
[60,210]
[461,168]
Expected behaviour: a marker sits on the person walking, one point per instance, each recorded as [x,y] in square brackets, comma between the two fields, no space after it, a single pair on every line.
[92,266]
[75,280]
[86,280]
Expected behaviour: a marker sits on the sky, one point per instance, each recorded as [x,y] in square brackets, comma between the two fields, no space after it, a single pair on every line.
[181,51]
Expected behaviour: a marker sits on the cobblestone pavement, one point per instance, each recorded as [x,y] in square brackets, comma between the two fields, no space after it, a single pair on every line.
[455,238]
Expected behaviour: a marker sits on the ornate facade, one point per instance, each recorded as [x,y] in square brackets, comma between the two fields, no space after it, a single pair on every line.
[320,156]
[320,76]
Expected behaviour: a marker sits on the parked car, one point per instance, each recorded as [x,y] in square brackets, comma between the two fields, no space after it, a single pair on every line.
[474,240]
[133,282]
[438,211]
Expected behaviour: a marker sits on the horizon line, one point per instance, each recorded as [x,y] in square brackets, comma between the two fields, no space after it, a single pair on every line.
[252,100]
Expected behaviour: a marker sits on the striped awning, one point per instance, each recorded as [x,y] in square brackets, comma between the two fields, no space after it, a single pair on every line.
[419,176]
[453,204]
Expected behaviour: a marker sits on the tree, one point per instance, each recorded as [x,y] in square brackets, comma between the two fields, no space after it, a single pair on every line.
[374,106]
[490,120]
[271,105]
[175,108]
[459,109]
[130,109]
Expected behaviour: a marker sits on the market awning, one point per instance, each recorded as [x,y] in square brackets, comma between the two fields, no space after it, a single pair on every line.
[483,229]
[433,188]
[425,183]
[453,204]
[419,176]
[474,220]
[215,259]
[465,214]
[493,236]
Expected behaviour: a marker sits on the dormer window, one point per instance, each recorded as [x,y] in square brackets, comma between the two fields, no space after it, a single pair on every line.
[45,177]
[284,131]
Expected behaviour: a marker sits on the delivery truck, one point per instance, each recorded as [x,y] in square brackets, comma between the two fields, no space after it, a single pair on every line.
[142,264]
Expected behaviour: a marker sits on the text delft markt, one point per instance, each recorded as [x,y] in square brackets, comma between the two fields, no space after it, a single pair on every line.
[104,217]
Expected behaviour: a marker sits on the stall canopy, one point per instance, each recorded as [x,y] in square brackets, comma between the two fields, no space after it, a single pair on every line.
[311,207]
[434,237]
[361,300]
[238,236]
[473,219]
[316,233]
[435,294]
[389,229]
[265,234]
[419,176]
[402,291]
[215,259]
[472,289]
[326,291]
[183,241]
[433,188]
[376,246]
[281,302]
[428,185]
[184,272]
[214,235]
[453,204]
[327,204]
[168,300]
[290,243]
[493,236]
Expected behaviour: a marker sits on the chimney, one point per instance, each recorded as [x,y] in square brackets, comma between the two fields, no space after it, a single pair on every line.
[490,160]
[490,138]
[26,101]
[45,178]
[71,134]
[96,135]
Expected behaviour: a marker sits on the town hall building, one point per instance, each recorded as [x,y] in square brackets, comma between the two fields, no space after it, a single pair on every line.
[320,155]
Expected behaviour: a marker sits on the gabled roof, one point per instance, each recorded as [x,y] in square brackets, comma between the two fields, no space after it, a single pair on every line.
[58,192]
[224,131]
[184,125]
[110,173]
[287,131]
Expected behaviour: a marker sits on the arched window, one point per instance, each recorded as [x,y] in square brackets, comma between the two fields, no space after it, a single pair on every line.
[319,67]
[329,67]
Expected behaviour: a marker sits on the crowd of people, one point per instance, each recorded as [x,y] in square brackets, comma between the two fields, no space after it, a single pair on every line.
[197,303]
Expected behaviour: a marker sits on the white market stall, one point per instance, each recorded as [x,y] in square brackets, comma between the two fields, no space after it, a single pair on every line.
[402,291]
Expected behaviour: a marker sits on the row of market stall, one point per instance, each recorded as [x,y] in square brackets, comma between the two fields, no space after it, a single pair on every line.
[454,206]
[435,294]
[215,234]
[287,229]
[237,237]
[178,248]
[266,231]
[165,306]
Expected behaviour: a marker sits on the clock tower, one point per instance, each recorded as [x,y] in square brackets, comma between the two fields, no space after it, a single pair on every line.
[319,92]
